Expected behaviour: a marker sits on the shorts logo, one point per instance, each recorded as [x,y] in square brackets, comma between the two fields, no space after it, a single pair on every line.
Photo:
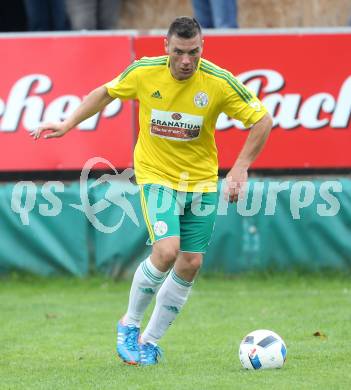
[201,99]
[160,228]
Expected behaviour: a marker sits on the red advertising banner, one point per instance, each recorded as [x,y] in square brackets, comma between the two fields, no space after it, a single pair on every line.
[303,80]
[45,79]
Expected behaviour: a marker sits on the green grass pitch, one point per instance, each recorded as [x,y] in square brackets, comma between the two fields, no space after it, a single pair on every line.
[60,334]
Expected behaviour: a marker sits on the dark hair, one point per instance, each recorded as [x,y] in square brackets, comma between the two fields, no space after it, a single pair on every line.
[184,27]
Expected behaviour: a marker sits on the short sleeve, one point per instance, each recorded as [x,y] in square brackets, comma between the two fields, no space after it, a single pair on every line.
[240,103]
[125,85]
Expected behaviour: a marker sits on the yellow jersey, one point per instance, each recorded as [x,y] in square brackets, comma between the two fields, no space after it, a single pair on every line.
[176,143]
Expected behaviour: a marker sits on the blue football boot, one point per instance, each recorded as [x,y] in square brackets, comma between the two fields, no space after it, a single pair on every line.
[149,354]
[127,343]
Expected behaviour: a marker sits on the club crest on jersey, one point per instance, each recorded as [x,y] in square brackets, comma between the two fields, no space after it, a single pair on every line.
[201,99]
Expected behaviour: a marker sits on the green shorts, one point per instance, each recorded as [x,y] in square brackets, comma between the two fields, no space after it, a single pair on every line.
[188,215]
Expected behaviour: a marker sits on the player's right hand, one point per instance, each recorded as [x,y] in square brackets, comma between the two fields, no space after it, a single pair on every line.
[55,129]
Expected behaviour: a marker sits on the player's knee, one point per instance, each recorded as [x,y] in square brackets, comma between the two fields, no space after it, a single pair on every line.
[167,254]
[194,262]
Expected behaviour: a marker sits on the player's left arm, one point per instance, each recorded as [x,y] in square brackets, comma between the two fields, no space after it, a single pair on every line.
[242,104]
[237,176]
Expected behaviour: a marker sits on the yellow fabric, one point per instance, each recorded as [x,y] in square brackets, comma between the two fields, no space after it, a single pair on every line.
[176,145]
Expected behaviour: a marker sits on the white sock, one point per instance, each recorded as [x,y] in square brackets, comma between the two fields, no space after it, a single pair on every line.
[170,299]
[146,282]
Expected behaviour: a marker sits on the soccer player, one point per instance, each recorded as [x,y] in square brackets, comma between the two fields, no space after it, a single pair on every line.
[180,96]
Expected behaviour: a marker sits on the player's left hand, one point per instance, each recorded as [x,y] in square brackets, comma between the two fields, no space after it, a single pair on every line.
[236,181]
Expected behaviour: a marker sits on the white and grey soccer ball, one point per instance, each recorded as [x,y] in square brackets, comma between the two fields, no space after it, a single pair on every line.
[262,349]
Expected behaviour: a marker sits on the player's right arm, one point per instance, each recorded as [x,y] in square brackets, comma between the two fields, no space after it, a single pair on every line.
[91,104]
[123,87]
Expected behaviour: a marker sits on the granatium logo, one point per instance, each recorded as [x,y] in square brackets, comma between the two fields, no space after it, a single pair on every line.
[176,116]
[112,196]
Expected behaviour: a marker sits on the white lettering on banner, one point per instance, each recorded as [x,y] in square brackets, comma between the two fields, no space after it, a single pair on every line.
[25,106]
[342,110]
[2,107]
[291,110]
[25,103]
[177,126]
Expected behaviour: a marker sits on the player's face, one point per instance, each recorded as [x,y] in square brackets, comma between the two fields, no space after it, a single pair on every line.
[184,55]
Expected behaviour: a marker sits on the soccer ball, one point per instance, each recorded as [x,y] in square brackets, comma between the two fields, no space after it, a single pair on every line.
[262,349]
